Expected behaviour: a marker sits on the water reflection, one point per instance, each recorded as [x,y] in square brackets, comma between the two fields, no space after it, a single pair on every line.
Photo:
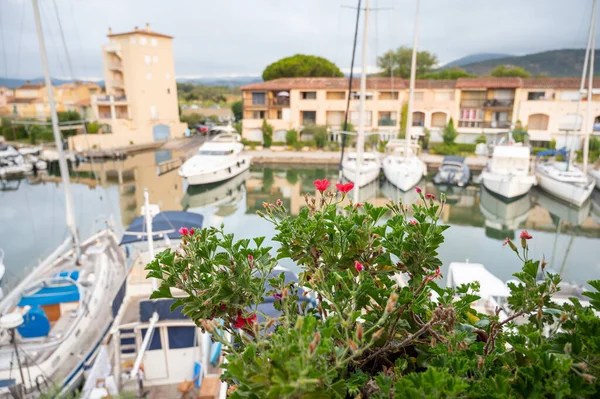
[480,220]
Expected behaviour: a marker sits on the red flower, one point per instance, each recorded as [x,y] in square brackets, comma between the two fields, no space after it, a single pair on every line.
[358,266]
[251,259]
[414,222]
[184,231]
[506,242]
[525,235]
[192,232]
[418,190]
[344,188]
[429,196]
[437,274]
[321,185]
[241,322]
[279,202]
[359,204]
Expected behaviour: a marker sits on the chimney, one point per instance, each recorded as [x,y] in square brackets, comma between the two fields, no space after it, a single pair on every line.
[136,29]
[147,27]
[109,30]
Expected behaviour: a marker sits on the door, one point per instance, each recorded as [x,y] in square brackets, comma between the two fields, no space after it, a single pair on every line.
[161,132]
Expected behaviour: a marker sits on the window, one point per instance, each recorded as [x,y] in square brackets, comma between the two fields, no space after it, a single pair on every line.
[147,60]
[279,114]
[597,124]
[153,112]
[444,96]
[148,75]
[155,343]
[438,119]
[471,114]
[387,118]
[143,41]
[418,96]
[536,95]
[335,118]
[308,95]
[309,117]
[388,95]
[356,95]
[418,118]
[258,114]
[155,59]
[354,116]
[336,95]
[537,121]
[259,98]
[569,95]
[153,42]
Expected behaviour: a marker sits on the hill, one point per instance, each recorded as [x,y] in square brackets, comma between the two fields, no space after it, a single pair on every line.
[479,57]
[566,62]
[16,82]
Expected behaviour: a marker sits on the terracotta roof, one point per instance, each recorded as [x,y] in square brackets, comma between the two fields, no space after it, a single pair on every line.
[327,84]
[30,85]
[21,100]
[434,84]
[488,83]
[557,83]
[140,32]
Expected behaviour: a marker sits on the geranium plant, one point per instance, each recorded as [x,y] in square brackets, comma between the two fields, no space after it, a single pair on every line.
[379,324]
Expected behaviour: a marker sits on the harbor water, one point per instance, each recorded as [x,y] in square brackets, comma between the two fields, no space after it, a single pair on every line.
[32,213]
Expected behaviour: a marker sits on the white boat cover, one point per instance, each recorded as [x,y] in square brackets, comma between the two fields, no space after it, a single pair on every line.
[463,273]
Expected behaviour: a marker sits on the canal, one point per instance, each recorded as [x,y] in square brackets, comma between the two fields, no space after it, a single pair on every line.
[32,213]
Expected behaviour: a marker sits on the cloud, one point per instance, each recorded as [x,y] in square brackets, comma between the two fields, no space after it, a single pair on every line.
[241,37]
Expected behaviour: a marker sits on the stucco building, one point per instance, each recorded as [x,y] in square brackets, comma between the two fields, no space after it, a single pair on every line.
[140,105]
[548,107]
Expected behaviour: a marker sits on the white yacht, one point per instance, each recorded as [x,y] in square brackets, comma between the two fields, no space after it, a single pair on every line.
[503,218]
[217,160]
[369,168]
[401,168]
[565,181]
[507,173]
[12,162]
[53,321]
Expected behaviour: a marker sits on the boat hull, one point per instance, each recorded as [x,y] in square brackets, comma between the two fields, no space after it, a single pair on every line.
[575,194]
[508,187]
[404,174]
[595,174]
[241,165]
[366,176]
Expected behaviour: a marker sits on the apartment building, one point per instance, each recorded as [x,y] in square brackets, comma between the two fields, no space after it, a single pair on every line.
[140,105]
[488,106]
[30,100]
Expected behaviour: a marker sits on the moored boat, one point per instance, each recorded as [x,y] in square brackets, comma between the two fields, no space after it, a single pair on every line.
[453,171]
[403,168]
[565,181]
[507,173]
[369,168]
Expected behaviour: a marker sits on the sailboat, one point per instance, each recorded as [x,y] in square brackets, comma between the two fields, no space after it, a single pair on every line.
[368,171]
[563,179]
[503,218]
[54,320]
[404,169]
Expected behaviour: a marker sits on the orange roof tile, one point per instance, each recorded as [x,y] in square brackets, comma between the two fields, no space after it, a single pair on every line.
[557,83]
[488,83]
[140,32]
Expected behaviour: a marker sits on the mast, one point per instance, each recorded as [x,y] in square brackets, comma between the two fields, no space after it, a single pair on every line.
[360,142]
[62,163]
[148,217]
[589,126]
[411,91]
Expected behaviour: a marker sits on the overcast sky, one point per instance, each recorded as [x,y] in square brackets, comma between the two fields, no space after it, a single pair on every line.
[240,37]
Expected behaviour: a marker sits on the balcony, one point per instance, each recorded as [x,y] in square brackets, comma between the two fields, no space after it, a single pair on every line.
[104,115]
[281,102]
[418,123]
[112,48]
[118,83]
[106,99]
[484,124]
[498,104]
[472,103]
[386,122]
[115,66]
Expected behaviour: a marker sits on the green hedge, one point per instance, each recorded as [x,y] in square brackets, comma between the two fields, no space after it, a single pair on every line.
[453,149]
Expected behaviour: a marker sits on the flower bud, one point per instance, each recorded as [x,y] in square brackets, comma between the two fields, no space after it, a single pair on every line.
[359,332]
[377,334]
[284,293]
[567,348]
[352,345]
[563,317]
[299,322]
[259,213]
[480,361]
[391,303]
[588,378]
[270,323]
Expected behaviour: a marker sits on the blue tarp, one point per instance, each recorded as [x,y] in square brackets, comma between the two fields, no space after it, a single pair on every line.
[51,296]
[170,221]
[562,151]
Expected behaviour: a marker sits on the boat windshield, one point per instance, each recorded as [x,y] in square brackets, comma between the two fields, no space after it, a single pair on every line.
[213,152]
[448,170]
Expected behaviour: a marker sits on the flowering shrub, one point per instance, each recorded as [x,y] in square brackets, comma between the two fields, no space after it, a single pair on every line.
[380,325]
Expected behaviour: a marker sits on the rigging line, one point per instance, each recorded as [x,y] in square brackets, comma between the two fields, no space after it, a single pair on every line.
[3,45]
[64,42]
[74,20]
[350,82]
[23,13]
[45,17]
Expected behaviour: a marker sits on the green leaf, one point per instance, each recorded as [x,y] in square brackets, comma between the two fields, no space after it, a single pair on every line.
[163,291]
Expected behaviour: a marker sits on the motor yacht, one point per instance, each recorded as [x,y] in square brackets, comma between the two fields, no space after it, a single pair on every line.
[507,173]
[454,172]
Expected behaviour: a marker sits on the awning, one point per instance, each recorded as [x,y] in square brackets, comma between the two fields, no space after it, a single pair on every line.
[164,224]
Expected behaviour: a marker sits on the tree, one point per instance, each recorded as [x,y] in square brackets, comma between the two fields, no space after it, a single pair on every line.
[403,121]
[502,71]
[450,133]
[399,61]
[68,116]
[450,73]
[426,138]
[291,137]
[236,108]
[267,131]
[301,65]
